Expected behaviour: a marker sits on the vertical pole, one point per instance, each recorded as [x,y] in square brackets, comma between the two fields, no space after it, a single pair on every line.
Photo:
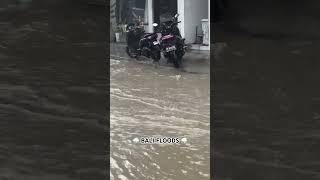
[180,7]
[146,18]
[209,21]
[150,15]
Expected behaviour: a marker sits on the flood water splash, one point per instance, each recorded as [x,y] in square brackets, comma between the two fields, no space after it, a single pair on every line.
[158,102]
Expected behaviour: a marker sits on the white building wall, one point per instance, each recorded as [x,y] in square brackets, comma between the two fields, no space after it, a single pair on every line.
[209,22]
[191,12]
[149,6]
[181,12]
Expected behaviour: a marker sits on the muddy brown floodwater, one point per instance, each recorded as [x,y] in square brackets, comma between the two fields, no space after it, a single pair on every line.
[159,102]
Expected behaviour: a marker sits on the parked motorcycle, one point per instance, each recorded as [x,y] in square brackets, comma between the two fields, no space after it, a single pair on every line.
[140,43]
[172,44]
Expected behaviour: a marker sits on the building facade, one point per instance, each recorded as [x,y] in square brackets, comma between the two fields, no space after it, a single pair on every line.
[194,16]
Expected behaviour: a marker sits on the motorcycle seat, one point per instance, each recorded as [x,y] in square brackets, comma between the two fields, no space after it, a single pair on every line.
[167,37]
[147,35]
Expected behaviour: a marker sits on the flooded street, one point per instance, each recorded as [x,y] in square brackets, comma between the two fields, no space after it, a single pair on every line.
[159,102]
[52,116]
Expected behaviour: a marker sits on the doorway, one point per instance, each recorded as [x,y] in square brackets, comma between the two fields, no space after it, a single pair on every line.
[164,10]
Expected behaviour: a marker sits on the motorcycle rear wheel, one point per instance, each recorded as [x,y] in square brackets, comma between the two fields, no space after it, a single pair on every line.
[175,59]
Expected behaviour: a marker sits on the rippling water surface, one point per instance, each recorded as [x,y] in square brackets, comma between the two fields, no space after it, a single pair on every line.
[148,101]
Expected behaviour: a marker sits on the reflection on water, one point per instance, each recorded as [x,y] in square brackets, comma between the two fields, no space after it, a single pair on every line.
[148,101]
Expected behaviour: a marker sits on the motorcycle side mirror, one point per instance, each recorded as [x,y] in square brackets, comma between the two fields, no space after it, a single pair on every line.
[155,24]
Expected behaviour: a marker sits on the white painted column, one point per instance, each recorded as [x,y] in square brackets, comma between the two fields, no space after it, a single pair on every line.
[150,15]
[180,5]
[146,27]
[209,21]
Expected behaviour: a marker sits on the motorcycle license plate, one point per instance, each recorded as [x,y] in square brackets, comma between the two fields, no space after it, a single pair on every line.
[171,48]
[155,42]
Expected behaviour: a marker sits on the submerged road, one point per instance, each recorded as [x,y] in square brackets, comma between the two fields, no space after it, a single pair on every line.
[159,102]
[52,110]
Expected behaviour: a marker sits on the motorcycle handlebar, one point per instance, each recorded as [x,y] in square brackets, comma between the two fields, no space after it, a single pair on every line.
[177,22]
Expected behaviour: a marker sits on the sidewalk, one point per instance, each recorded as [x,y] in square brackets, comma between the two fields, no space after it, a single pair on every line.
[196,61]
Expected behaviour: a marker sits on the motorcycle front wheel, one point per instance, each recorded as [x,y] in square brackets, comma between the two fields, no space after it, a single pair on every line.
[177,62]
[131,52]
[156,56]
[175,59]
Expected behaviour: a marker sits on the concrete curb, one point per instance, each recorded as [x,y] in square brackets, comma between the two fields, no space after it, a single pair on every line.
[199,47]
[190,46]
[195,61]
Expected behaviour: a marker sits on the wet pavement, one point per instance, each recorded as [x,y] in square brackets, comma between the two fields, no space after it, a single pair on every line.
[150,101]
[194,61]
[266,115]
[52,83]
